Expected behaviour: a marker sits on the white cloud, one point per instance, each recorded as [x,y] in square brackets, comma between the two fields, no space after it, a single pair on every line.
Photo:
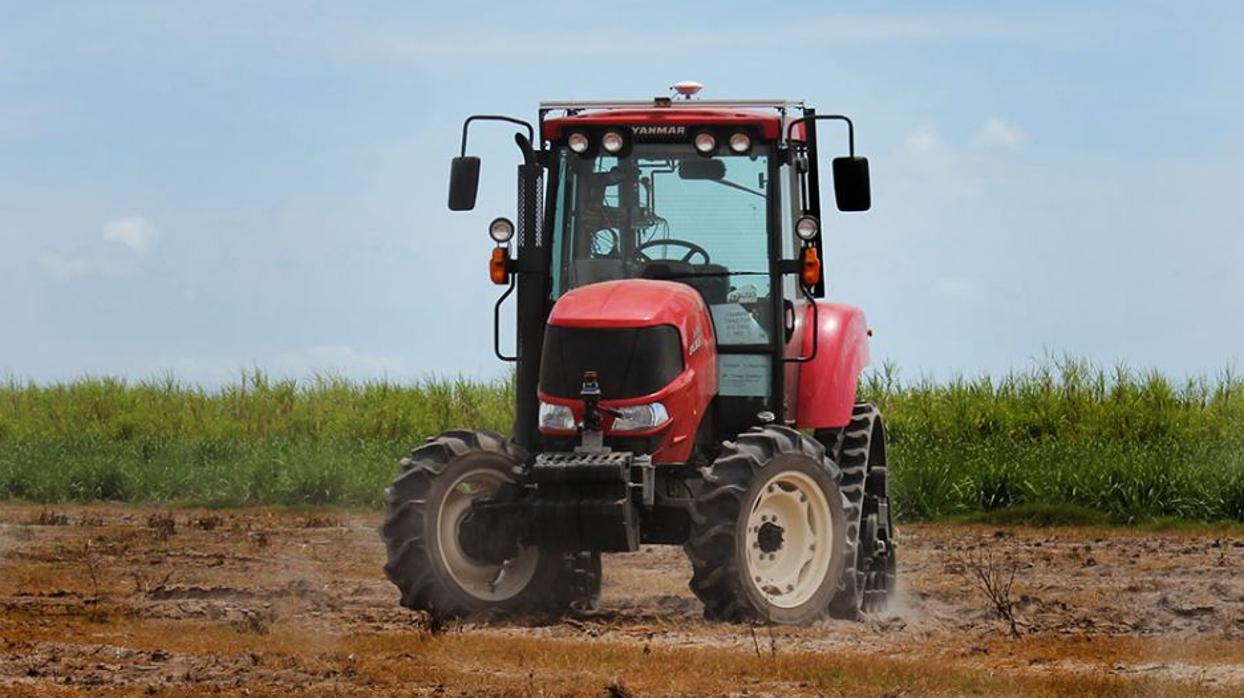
[64,268]
[955,287]
[997,133]
[135,232]
[925,139]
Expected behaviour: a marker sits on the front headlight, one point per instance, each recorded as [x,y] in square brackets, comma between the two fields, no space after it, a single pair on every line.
[557,417]
[640,417]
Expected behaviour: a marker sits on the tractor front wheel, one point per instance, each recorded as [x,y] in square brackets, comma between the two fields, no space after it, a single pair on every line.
[439,567]
[769,538]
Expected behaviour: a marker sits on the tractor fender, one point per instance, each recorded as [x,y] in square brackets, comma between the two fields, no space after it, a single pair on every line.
[827,383]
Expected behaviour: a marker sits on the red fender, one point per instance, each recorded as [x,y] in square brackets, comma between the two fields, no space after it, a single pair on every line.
[828,382]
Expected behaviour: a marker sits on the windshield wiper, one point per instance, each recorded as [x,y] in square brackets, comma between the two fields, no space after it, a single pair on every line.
[740,187]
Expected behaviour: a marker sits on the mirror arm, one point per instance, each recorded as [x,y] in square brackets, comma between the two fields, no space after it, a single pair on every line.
[524,145]
[466,125]
[790,128]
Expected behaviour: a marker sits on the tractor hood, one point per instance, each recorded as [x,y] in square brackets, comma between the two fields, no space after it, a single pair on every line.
[639,335]
[648,342]
[629,303]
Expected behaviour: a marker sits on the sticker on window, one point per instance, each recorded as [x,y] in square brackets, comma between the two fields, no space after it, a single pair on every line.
[746,295]
[735,325]
[743,375]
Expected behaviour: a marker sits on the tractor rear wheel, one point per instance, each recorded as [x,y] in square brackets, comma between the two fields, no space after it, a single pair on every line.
[859,450]
[440,570]
[769,534]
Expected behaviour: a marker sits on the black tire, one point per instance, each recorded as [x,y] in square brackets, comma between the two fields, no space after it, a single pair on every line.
[719,540]
[577,586]
[859,451]
[416,564]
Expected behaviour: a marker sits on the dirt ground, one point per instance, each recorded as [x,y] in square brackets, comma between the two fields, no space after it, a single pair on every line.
[110,599]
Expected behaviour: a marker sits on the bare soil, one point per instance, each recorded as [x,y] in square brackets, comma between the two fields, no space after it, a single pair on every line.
[112,599]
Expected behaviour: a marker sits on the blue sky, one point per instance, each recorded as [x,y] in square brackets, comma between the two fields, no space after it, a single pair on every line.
[211,186]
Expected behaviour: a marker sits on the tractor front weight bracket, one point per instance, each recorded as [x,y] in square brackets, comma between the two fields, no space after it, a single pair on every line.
[587,501]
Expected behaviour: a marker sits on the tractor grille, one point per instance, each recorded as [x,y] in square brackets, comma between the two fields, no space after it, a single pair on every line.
[630,362]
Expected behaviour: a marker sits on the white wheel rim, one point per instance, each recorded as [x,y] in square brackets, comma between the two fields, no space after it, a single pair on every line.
[788,537]
[486,582]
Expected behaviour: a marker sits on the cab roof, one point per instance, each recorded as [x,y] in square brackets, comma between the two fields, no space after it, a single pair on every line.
[768,115]
[770,123]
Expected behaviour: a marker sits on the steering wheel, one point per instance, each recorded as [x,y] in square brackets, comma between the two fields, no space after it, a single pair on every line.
[692,249]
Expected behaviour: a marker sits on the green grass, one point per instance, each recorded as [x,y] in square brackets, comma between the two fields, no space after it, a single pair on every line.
[1129,446]
[324,441]
[1063,442]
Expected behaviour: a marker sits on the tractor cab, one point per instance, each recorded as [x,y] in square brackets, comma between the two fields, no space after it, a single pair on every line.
[721,196]
[672,341]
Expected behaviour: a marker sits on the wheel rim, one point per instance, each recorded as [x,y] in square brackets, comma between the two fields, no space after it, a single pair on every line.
[484,581]
[788,537]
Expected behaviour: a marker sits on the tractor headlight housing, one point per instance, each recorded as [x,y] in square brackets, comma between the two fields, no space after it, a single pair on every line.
[556,417]
[705,143]
[807,227]
[578,142]
[639,417]
[501,230]
[612,142]
[740,142]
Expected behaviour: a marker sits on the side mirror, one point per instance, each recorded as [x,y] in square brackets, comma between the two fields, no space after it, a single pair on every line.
[463,183]
[852,190]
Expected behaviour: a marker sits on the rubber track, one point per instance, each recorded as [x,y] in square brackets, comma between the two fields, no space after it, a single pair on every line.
[715,513]
[851,448]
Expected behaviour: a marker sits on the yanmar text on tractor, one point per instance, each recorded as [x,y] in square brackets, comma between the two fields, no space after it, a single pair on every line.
[679,377]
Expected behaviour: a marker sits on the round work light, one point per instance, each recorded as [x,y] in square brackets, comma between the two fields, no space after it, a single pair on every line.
[612,142]
[705,143]
[577,142]
[807,227]
[501,230]
[740,142]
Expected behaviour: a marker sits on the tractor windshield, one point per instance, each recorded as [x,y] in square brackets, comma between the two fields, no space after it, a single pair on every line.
[662,211]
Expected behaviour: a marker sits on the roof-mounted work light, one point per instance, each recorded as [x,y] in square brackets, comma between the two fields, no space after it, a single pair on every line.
[578,142]
[612,142]
[705,143]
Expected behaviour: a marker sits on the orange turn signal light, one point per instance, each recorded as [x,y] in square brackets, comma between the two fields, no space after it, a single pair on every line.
[811,272]
[498,266]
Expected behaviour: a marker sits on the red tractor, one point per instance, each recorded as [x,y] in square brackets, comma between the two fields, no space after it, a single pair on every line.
[678,378]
